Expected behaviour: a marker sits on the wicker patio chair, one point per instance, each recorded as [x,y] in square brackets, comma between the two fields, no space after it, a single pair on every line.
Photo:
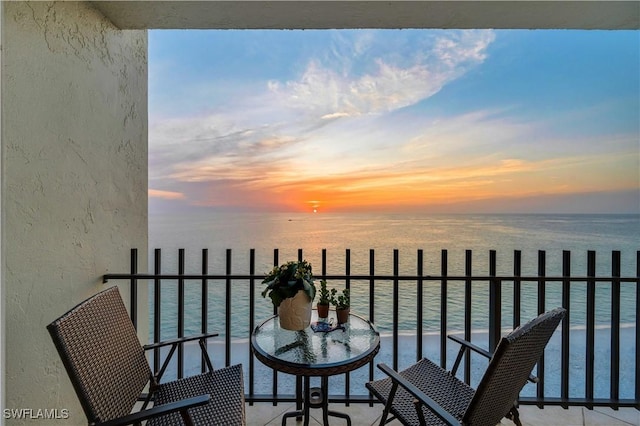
[425,394]
[109,371]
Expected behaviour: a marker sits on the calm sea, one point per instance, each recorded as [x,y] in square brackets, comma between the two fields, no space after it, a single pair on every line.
[359,233]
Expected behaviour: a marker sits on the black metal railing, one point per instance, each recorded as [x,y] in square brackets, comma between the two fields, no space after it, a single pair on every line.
[530,295]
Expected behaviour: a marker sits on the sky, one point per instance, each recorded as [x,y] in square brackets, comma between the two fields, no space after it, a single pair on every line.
[429,121]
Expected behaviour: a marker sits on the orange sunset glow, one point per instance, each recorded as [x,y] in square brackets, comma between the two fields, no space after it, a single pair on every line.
[405,187]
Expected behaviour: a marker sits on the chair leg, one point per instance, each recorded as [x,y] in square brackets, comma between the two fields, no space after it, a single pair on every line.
[514,416]
[186,418]
[421,418]
[387,406]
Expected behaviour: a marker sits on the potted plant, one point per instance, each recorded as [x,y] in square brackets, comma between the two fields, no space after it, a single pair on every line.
[324,300]
[291,290]
[342,304]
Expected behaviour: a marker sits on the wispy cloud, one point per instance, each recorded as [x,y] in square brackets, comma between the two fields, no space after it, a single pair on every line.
[354,76]
[166,195]
[339,89]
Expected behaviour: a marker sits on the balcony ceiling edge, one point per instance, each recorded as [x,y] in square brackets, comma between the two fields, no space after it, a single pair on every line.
[325,14]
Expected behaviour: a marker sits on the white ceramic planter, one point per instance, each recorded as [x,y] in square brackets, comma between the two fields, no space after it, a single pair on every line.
[295,312]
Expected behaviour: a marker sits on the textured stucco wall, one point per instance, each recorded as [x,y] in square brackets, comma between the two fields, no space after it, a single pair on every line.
[74,180]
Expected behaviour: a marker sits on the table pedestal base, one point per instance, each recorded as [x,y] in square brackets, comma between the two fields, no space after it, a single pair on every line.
[316,398]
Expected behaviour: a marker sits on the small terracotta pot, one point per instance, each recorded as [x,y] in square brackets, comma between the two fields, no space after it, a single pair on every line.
[343,315]
[323,311]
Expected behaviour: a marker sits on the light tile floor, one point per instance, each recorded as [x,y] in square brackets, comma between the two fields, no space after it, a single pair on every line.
[263,414]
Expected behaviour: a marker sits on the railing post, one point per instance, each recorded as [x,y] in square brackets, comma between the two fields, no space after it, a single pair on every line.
[180,312]
[372,298]
[204,302]
[542,284]
[372,285]
[299,383]
[227,337]
[134,288]
[252,314]
[157,298]
[637,363]
[443,310]
[495,300]
[591,321]
[517,287]
[468,258]
[419,306]
[396,309]
[347,284]
[274,387]
[323,262]
[615,326]
[566,303]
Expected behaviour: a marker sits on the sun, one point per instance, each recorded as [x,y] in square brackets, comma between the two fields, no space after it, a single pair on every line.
[314,204]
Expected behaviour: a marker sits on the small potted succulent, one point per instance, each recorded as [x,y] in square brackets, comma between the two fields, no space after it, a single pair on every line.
[342,304]
[324,300]
[291,289]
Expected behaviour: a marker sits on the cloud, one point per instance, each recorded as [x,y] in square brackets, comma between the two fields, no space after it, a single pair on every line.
[335,115]
[389,81]
[471,156]
[166,195]
[359,73]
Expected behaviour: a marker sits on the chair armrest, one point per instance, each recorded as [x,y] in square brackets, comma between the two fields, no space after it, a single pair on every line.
[174,344]
[419,395]
[159,410]
[179,340]
[471,346]
[477,349]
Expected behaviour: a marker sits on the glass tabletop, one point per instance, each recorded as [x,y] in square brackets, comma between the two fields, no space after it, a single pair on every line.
[298,351]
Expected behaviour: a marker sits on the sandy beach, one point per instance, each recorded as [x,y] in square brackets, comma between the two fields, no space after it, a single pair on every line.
[240,353]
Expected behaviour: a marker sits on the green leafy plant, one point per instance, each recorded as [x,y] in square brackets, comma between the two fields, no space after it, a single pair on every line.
[342,300]
[324,295]
[286,280]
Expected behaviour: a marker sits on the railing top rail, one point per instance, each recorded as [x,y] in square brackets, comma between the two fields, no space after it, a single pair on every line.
[382,277]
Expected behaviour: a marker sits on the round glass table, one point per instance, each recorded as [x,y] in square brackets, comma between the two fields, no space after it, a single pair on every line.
[308,353]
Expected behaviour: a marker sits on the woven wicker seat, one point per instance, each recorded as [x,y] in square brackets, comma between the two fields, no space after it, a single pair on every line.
[108,368]
[425,394]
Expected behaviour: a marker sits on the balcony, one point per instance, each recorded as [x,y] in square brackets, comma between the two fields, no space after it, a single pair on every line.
[589,373]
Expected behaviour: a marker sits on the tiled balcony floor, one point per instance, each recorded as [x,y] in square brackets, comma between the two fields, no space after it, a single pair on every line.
[263,414]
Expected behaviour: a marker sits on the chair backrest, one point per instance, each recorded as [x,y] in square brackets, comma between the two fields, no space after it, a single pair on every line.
[509,369]
[102,355]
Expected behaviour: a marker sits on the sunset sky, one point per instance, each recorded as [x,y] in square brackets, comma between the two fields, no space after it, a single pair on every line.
[395,120]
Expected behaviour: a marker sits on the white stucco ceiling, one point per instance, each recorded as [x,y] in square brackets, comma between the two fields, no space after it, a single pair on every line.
[319,14]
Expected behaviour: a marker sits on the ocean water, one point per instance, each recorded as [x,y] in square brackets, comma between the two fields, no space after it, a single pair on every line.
[359,233]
